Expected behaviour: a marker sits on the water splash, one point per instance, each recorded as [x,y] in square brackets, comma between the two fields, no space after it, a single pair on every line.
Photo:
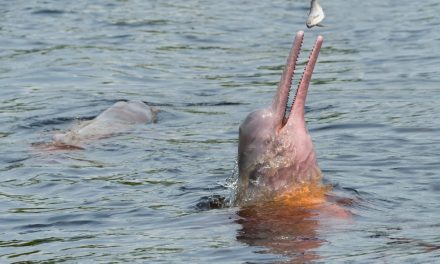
[232,183]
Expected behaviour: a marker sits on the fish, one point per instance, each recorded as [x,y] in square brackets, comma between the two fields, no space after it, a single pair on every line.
[316,15]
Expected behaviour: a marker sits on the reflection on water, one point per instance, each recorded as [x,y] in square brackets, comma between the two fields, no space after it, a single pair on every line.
[285,230]
[291,224]
[372,111]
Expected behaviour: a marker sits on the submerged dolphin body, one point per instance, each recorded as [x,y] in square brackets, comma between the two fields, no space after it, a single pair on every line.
[275,151]
[119,118]
[316,15]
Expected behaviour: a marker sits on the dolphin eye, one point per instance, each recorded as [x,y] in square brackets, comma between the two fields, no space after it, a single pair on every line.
[267,141]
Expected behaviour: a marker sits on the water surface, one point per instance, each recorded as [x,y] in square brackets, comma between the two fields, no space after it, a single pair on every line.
[372,111]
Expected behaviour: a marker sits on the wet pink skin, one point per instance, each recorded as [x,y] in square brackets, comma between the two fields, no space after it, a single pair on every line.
[119,118]
[275,151]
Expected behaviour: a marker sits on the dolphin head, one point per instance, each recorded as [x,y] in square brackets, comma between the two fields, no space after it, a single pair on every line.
[275,151]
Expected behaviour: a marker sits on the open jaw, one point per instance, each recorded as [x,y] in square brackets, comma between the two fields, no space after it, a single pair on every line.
[275,150]
[280,101]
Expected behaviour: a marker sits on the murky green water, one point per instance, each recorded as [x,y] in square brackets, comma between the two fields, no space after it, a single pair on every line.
[372,111]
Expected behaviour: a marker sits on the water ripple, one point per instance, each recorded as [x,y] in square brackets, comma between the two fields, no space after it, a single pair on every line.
[144,196]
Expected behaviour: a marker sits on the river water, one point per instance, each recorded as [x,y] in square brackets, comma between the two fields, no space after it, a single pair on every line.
[141,197]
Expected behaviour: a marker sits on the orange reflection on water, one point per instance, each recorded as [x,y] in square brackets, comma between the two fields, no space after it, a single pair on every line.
[289,224]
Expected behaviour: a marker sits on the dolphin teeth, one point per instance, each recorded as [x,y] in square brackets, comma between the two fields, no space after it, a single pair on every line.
[286,112]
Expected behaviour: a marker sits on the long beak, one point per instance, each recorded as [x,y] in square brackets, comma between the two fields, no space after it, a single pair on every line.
[281,98]
[299,102]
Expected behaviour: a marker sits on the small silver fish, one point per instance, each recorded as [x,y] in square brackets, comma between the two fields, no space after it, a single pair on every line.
[316,15]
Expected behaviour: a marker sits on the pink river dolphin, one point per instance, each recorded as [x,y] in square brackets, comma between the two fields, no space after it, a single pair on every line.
[276,156]
[119,118]
[283,202]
